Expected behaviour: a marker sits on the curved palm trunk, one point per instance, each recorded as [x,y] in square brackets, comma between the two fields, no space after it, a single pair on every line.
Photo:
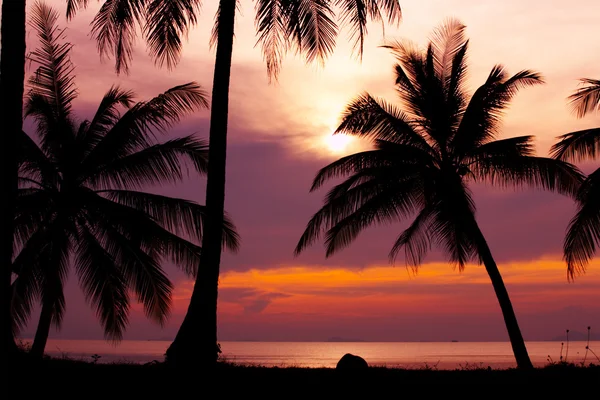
[42,332]
[514,332]
[12,76]
[196,340]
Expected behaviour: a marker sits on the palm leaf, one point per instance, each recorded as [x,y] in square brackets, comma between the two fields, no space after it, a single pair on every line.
[376,119]
[452,220]
[586,99]
[345,205]
[114,28]
[578,146]
[34,163]
[54,262]
[509,163]
[182,217]
[32,208]
[134,129]
[144,232]
[271,31]
[140,269]
[104,285]
[415,239]
[155,164]
[371,159]
[27,287]
[167,22]
[53,78]
[310,28]
[107,115]
[391,203]
[355,14]
[482,116]
[583,234]
[74,5]
[447,41]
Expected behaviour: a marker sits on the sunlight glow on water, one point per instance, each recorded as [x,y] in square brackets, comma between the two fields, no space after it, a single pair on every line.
[440,355]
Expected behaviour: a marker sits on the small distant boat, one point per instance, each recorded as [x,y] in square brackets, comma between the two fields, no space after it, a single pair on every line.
[454,341]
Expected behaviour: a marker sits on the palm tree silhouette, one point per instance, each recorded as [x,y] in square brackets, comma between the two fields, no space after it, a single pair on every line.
[425,153]
[12,76]
[306,26]
[82,195]
[583,234]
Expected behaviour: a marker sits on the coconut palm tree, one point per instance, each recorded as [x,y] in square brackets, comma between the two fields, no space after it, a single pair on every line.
[12,76]
[583,234]
[426,152]
[82,195]
[308,26]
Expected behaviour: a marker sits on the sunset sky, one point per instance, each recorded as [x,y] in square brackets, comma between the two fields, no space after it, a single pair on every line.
[280,135]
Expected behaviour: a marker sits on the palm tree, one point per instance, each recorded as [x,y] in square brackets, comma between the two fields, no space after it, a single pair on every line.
[425,154]
[583,234]
[82,197]
[12,76]
[308,26]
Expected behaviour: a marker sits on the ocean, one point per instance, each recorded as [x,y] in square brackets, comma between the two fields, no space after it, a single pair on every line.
[438,355]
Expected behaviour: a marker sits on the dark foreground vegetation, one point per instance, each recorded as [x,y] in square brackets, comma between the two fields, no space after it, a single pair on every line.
[68,377]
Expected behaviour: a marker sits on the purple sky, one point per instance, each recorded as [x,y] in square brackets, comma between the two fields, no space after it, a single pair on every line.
[279,138]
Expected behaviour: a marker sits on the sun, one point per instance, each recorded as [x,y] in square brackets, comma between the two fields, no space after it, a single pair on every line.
[337,143]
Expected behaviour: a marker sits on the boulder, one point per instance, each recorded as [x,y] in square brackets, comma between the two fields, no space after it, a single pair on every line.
[350,361]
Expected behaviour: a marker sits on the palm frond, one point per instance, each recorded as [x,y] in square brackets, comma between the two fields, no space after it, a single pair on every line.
[182,217]
[54,265]
[516,168]
[376,119]
[482,116]
[155,164]
[356,13]
[167,22]
[114,29]
[32,208]
[451,222]
[26,293]
[271,30]
[416,239]
[577,146]
[140,269]
[586,99]
[74,5]
[52,89]
[34,163]
[310,27]
[583,234]
[357,162]
[447,41]
[134,129]
[512,147]
[349,206]
[27,287]
[144,232]
[103,283]
[53,78]
[107,115]
[396,200]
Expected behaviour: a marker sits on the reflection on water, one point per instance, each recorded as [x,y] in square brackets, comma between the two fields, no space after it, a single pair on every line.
[440,355]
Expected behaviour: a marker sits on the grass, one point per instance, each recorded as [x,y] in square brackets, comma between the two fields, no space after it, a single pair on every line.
[68,377]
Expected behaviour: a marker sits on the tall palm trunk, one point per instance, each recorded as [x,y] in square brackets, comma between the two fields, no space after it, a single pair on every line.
[12,76]
[196,341]
[512,326]
[43,330]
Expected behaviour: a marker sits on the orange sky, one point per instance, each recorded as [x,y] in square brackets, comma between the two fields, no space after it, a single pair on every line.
[279,137]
